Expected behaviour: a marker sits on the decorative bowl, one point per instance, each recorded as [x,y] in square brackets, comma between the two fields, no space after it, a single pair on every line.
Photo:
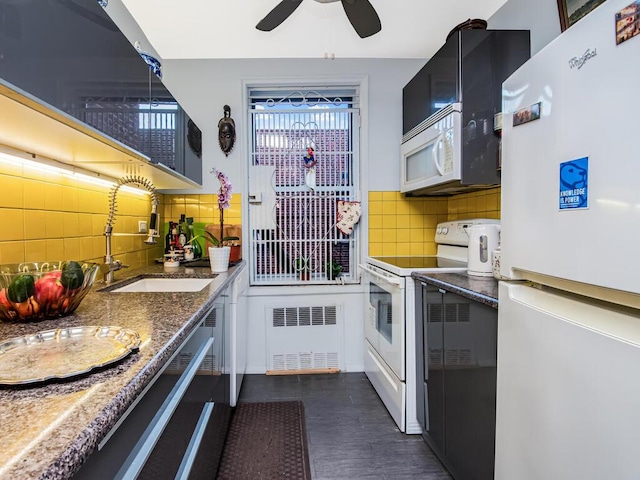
[33,291]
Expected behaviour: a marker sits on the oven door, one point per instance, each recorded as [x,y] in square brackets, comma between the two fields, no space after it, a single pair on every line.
[384,310]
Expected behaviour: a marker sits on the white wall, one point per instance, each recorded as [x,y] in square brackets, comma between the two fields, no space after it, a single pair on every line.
[347,297]
[203,87]
[540,17]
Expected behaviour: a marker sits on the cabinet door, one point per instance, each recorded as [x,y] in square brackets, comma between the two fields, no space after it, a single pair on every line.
[470,349]
[432,366]
[178,426]
[78,61]
[435,86]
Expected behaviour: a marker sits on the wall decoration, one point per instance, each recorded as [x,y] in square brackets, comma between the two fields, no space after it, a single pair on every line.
[194,138]
[226,131]
[310,162]
[573,10]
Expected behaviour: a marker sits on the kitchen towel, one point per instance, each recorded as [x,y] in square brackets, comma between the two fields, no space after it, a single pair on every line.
[348,215]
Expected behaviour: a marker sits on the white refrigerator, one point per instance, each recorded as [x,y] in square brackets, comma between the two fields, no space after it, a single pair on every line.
[568,386]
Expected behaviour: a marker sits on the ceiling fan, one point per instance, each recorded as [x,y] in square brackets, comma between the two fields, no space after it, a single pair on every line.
[360,13]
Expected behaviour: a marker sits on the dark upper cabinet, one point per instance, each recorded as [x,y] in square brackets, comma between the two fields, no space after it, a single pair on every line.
[469,68]
[70,54]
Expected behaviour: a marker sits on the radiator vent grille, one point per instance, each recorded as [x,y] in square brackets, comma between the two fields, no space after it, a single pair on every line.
[304,316]
[304,361]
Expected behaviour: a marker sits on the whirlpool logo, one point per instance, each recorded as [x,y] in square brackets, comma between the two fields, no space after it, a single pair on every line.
[578,62]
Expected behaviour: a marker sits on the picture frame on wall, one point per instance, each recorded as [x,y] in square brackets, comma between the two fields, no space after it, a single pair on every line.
[571,11]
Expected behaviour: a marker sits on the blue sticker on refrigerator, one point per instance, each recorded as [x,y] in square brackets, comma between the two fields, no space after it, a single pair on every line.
[574,184]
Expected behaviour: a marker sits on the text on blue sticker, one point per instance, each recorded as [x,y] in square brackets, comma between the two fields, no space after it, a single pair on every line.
[574,184]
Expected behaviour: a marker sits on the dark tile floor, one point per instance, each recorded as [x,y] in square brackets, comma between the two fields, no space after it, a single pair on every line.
[351,435]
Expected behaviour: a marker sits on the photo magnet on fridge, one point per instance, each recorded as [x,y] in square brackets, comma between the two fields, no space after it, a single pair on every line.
[628,22]
[527,114]
[574,184]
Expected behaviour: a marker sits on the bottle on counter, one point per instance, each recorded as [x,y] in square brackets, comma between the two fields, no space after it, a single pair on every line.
[182,237]
[168,239]
[175,244]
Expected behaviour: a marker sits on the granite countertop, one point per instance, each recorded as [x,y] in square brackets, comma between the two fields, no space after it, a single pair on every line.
[48,430]
[481,289]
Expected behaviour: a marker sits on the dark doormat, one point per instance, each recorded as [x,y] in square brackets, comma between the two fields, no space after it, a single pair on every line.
[266,441]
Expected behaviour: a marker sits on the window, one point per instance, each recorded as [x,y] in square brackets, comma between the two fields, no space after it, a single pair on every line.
[294,191]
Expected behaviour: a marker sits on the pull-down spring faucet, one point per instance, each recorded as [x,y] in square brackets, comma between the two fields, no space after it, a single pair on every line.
[109,261]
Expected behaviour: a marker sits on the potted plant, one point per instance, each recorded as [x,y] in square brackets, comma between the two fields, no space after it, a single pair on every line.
[213,240]
[219,253]
[302,267]
[236,248]
[333,269]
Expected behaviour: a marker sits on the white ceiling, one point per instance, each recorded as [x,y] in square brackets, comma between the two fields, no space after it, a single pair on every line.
[198,29]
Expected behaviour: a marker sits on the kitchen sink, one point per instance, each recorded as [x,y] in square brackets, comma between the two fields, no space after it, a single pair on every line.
[165,285]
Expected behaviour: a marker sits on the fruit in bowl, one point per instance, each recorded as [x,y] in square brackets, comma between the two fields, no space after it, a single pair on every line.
[32,291]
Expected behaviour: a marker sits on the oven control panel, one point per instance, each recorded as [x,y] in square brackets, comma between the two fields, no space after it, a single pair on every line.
[455,233]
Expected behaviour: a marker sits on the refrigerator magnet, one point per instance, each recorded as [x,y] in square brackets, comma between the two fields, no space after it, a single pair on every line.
[527,114]
[628,22]
[574,184]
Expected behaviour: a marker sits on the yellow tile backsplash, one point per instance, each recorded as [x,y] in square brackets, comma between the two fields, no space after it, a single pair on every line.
[50,216]
[400,225]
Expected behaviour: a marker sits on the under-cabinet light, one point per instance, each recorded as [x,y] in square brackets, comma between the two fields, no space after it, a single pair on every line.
[39,163]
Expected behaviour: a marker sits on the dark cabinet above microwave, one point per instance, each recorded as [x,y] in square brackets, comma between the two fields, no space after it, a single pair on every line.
[465,75]
[469,69]
[71,55]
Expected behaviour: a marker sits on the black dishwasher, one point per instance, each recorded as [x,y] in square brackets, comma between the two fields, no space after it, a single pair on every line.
[456,380]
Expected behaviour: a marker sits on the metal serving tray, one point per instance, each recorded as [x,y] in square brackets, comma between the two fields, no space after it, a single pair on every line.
[63,353]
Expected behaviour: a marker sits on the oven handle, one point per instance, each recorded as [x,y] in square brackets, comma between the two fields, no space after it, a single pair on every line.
[392,280]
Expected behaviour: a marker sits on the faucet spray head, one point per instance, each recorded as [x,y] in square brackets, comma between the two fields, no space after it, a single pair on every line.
[153,233]
[151,240]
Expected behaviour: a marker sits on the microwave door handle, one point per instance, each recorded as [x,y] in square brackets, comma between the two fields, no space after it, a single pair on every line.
[436,155]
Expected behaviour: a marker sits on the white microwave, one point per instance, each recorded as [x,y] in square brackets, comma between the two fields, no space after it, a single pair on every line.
[431,153]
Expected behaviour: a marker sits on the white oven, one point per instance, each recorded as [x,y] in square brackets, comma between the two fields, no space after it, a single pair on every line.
[384,327]
[384,331]
[389,326]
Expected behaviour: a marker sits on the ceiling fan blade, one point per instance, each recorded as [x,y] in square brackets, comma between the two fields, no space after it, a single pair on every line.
[89,15]
[278,15]
[362,16]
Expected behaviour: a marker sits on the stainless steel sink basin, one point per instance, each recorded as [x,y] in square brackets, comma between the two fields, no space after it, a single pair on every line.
[165,285]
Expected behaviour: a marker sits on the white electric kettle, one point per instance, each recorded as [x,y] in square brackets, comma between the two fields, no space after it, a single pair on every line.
[483,239]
